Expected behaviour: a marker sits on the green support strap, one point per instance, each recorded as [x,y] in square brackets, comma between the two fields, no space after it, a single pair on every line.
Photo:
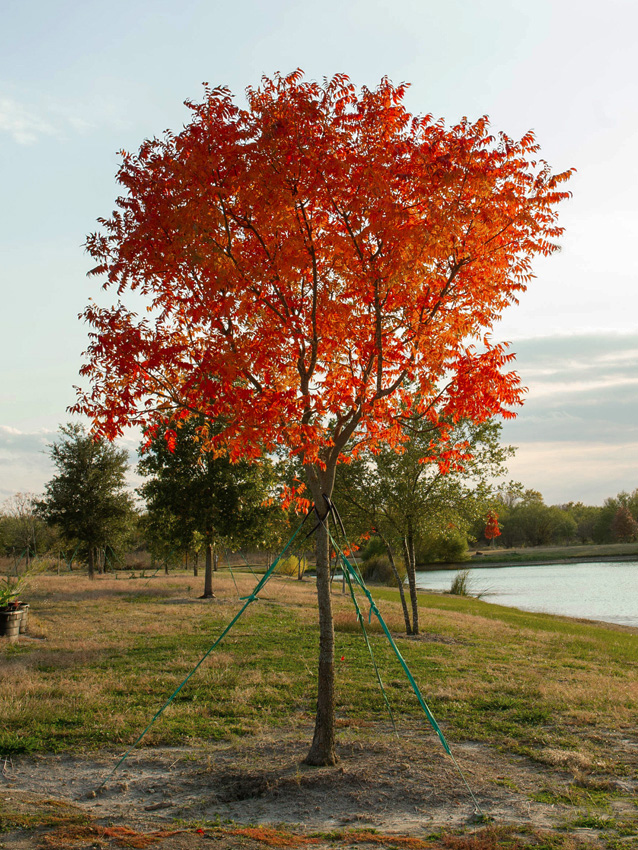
[246,562]
[232,574]
[162,564]
[374,610]
[248,599]
[367,642]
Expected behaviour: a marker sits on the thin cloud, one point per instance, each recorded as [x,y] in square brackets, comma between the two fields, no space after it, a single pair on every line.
[577,433]
[578,472]
[24,126]
[15,441]
[578,387]
[27,125]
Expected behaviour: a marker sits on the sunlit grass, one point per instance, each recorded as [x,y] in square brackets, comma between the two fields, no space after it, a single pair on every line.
[105,655]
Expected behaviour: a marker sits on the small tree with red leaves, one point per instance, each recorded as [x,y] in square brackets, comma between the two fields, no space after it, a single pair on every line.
[492,531]
[319,266]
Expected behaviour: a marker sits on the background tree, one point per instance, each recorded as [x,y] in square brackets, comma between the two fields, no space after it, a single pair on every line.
[585,517]
[624,527]
[190,492]
[321,264]
[23,532]
[603,531]
[527,521]
[422,505]
[87,498]
[492,530]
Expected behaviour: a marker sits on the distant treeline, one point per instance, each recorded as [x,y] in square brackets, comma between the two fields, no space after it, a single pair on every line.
[525,520]
[398,510]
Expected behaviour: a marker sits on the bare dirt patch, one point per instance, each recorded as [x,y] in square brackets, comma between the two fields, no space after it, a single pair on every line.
[406,787]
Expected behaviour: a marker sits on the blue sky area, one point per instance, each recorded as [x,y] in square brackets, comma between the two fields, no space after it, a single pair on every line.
[81,80]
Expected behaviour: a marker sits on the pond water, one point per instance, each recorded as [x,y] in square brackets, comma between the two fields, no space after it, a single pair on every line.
[603,591]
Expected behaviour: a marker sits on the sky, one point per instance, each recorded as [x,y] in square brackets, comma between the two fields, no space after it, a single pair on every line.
[81,80]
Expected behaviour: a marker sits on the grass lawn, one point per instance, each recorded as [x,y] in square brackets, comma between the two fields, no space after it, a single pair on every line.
[103,656]
[114,650]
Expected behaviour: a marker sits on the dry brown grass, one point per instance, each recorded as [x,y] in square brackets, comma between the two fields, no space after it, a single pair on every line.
[93,646]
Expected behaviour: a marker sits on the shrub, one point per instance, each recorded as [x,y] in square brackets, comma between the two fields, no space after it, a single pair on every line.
[379,569]
[449,546]
[288,566]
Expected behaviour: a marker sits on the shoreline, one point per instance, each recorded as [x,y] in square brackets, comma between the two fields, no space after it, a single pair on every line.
[479,562]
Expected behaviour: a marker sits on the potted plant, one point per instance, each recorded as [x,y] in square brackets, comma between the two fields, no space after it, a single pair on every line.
[12,609]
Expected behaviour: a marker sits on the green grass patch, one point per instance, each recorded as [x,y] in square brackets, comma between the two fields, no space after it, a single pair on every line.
[109,658]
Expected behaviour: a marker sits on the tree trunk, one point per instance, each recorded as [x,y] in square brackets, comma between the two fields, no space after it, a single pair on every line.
[404,604]
[91,562]
[322,751]
[208,574]
[195,564]
[408,554]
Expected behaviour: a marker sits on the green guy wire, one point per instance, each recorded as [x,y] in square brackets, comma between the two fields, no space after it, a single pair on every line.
[248,600]
[246,562]
[374,610]
[232,574]
[367,642]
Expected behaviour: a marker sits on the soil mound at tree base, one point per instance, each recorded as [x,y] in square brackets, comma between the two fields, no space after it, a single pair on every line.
[258,793]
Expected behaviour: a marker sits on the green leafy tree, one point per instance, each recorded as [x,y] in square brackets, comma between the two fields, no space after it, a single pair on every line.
[528,521]
[428,505]
[585,517]
[87,499]
[603,531]
[191,494]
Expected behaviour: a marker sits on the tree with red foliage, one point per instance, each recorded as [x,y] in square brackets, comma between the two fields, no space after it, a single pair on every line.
[492,531]
[320,267]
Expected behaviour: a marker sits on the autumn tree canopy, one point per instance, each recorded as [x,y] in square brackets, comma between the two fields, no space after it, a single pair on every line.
[319,265]
[311,260]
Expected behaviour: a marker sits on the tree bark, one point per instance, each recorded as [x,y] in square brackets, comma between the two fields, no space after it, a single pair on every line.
[322,750]
[91,562]
[208,573]
[404,604]
[408,554]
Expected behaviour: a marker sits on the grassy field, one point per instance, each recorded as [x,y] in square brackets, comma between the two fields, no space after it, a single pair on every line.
[112,650]
[103,656]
